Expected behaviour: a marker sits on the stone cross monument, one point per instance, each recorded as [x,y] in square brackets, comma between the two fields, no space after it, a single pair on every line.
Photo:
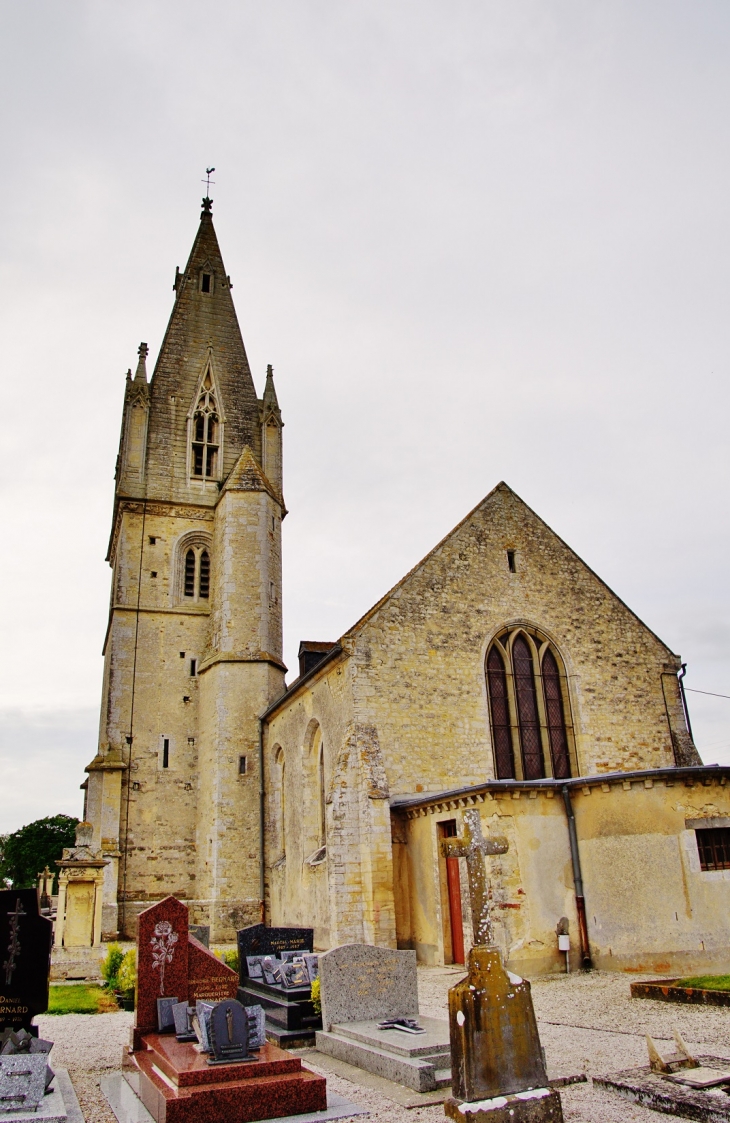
[473,846]
[496,1061]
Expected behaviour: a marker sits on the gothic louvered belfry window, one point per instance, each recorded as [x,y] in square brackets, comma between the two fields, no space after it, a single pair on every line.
[205,445]
[193,580]
[532,735]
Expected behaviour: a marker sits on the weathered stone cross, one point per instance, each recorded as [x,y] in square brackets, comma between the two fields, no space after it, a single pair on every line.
[473,846]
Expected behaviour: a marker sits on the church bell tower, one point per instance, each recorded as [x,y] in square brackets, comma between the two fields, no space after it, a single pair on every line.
[193,649]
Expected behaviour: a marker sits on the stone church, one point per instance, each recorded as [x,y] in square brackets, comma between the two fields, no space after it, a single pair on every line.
[501,673]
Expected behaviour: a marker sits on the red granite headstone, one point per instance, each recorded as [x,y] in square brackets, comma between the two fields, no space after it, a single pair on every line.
[162,959]
[209,979]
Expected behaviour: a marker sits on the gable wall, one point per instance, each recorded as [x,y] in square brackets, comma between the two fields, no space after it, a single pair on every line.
[418,661]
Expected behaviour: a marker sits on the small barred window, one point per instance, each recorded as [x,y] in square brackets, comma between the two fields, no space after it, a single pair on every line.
[713,844]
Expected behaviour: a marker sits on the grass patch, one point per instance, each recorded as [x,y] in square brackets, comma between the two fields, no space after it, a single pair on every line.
[81,998]
[705,982]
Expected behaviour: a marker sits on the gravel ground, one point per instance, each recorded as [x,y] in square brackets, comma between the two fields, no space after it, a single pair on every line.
[588,1023]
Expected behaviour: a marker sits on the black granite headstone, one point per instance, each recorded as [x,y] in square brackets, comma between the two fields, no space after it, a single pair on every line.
[25,958]
[260,940]
[229,1033]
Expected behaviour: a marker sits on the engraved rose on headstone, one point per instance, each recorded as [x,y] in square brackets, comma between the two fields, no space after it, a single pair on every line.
[163,948]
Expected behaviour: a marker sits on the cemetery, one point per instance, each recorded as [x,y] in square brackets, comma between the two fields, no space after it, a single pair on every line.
[304,1033]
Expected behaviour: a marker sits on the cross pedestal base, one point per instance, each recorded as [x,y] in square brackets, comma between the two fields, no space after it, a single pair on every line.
[540,1105]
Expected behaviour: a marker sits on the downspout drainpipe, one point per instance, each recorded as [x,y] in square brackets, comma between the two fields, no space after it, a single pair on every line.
[580,901]
[262,803]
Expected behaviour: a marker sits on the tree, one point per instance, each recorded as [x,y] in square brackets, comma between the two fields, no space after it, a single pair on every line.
[4,882]
[25,853]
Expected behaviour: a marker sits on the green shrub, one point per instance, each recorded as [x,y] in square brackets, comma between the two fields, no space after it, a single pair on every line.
[229,957]
[110,966]
[127,978]
[316,997]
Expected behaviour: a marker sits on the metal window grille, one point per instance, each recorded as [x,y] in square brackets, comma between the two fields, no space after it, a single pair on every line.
[713,844]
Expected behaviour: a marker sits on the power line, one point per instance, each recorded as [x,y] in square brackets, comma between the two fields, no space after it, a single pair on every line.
[695,691]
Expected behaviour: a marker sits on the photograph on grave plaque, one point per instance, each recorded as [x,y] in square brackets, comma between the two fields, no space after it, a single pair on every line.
[312,965]
[294,975]
[289,956]
[253,964]
[270,968]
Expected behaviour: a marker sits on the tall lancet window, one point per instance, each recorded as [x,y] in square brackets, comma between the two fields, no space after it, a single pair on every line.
[529,708]
[205,445]
[192,565]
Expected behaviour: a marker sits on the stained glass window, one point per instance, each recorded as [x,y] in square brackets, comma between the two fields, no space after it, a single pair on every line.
[500,716]
[557,733]
[527,710]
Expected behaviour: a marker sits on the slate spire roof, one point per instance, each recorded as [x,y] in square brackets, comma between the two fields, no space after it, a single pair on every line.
[202,334]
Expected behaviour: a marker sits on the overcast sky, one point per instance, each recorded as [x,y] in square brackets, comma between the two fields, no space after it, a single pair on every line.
[478,241]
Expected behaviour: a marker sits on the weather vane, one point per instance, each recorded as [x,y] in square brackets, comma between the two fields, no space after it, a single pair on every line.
[207,181]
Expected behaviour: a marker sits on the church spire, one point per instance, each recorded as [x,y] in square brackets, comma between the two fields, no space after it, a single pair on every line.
[202,340]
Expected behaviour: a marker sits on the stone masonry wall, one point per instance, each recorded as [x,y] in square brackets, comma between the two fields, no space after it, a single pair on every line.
[418,658]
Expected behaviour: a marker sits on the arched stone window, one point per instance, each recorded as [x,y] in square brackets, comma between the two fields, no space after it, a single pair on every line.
[313,818]
[529,708]
[205,428]
[192,564]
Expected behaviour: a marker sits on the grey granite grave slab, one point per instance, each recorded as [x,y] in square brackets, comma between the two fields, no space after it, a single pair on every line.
[128,1108]
[361,983]
[652,1089]
[421,1062]
[22,1082]
[59,1106]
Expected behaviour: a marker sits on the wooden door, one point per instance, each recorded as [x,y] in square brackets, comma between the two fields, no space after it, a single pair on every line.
[453,888]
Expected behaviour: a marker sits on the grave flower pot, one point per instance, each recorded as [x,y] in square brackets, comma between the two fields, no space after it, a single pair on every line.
[125,999]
